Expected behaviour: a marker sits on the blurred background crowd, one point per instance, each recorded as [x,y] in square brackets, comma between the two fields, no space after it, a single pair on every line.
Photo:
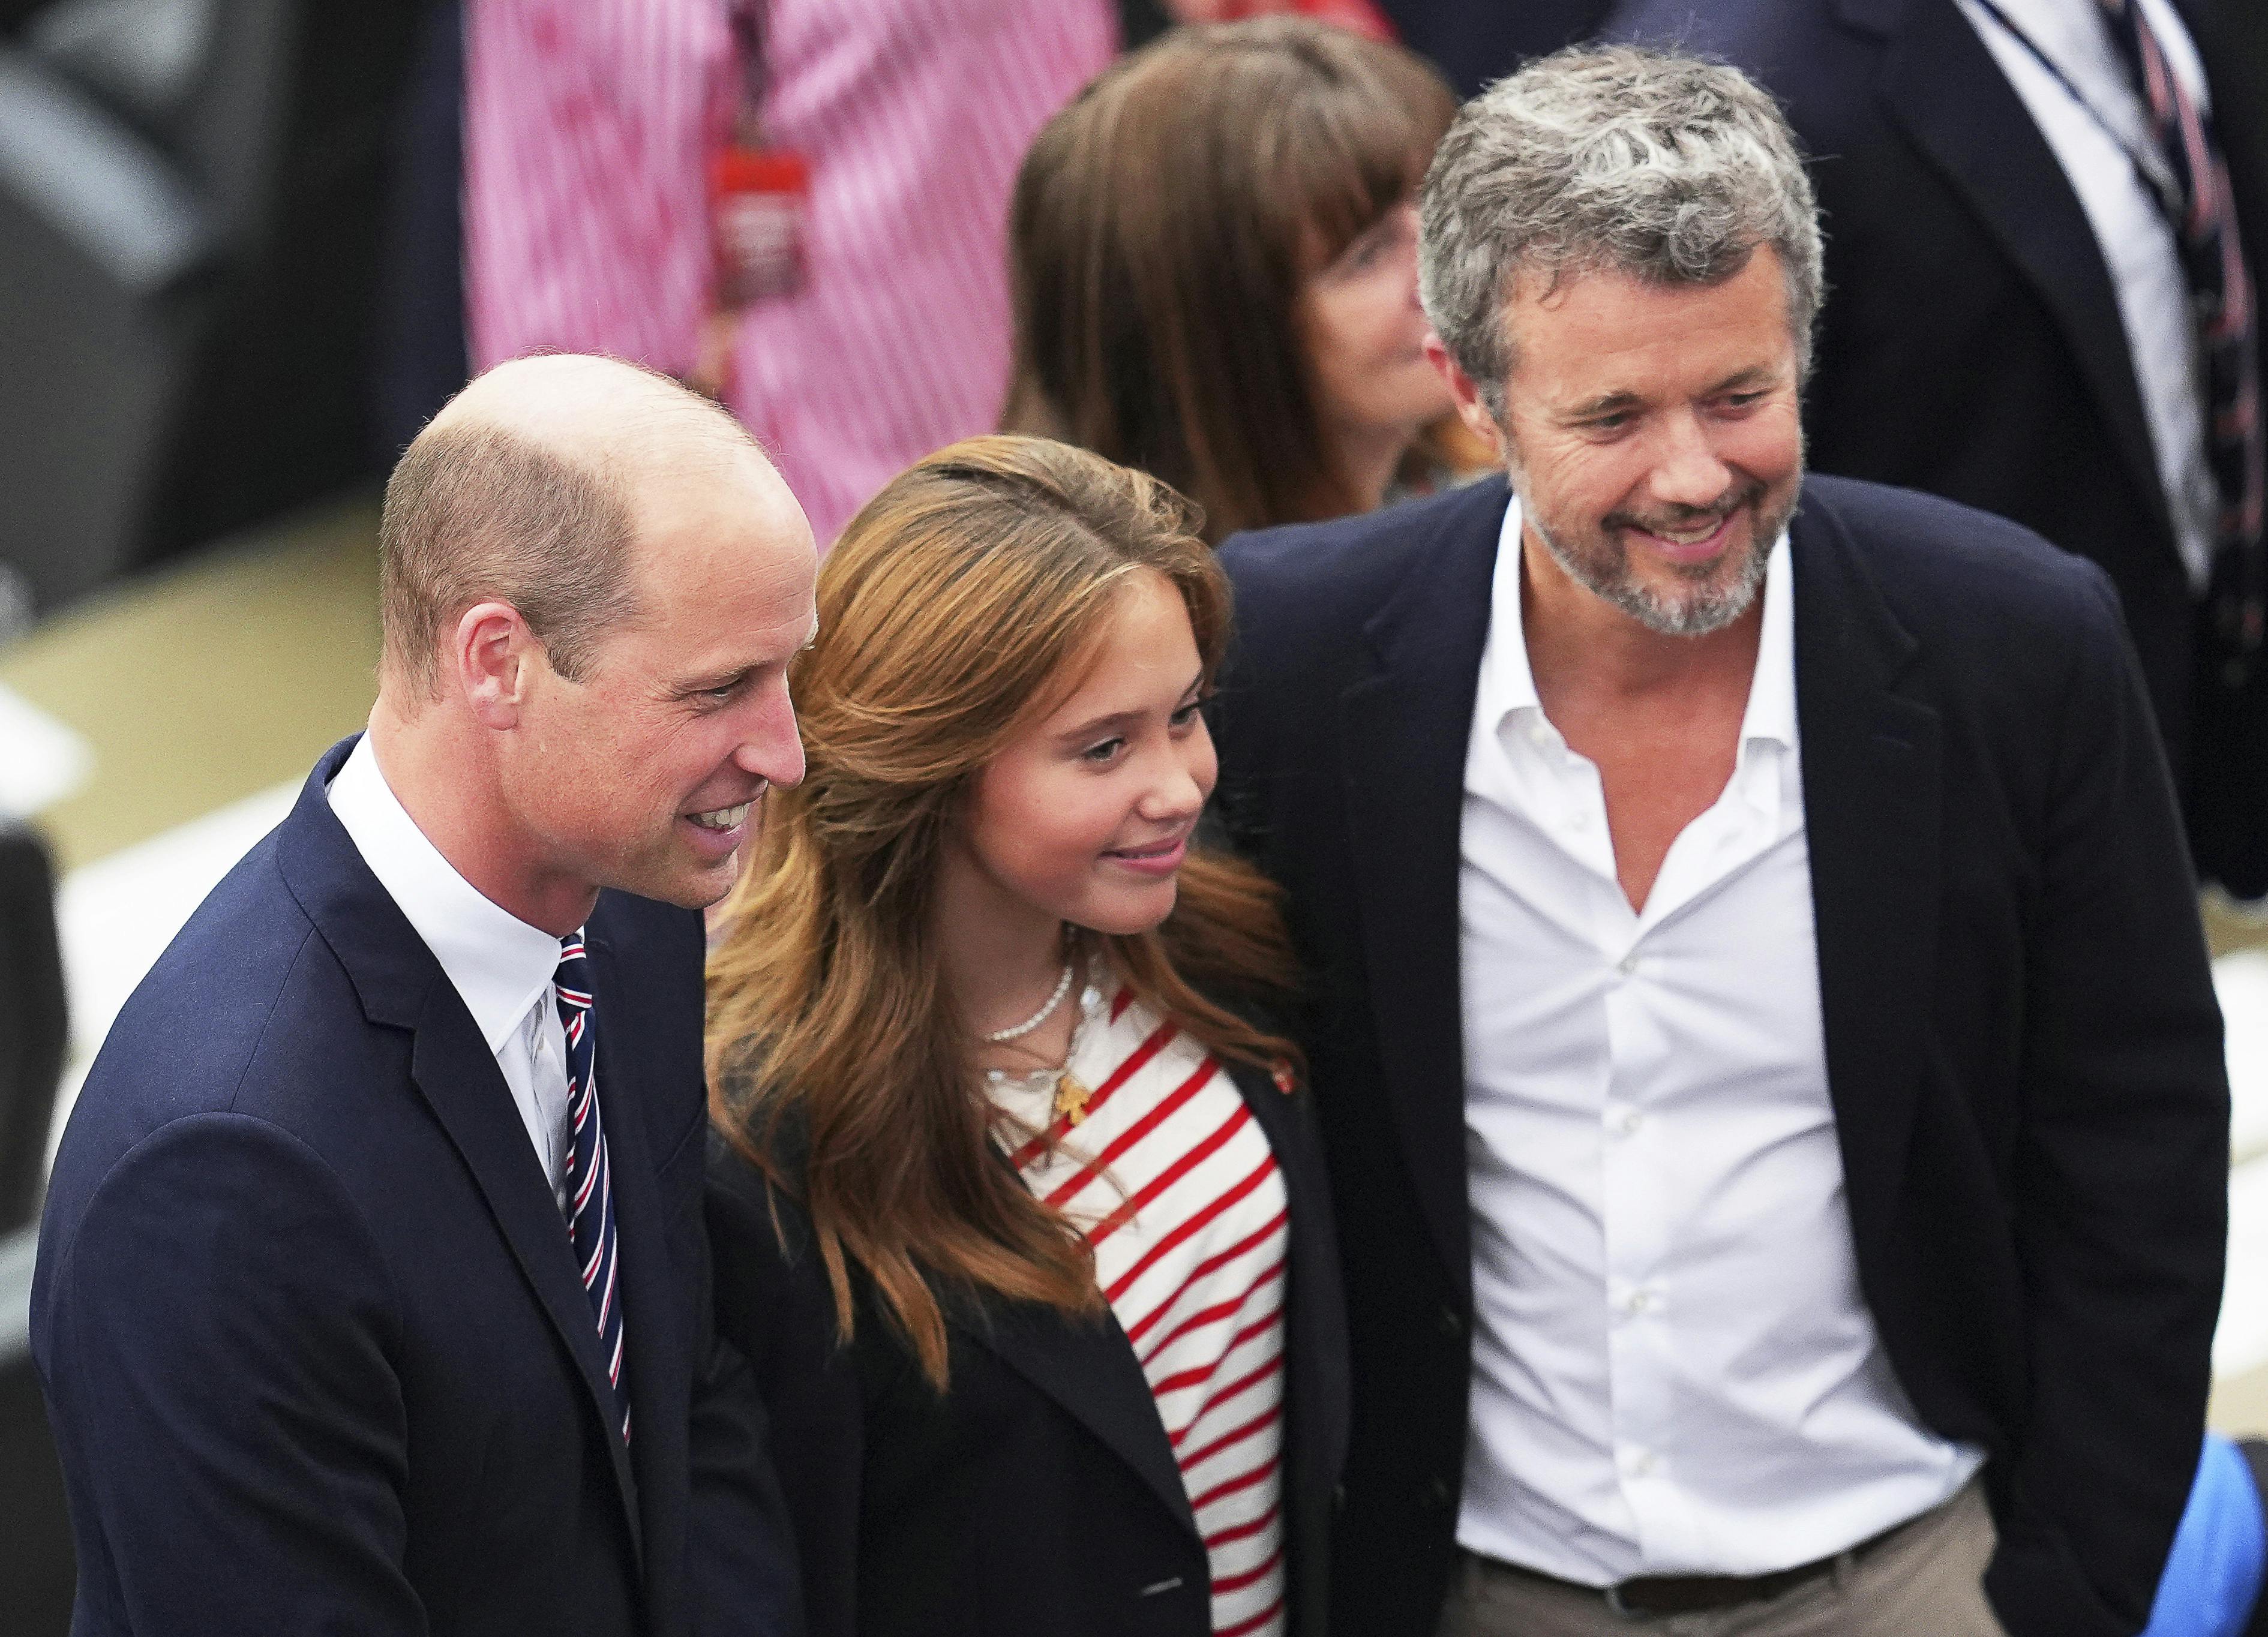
[248,246]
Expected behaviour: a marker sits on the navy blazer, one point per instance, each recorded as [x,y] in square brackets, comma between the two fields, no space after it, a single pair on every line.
[1971,344]
[2023,1049]
[1039,1495]
[314,1338]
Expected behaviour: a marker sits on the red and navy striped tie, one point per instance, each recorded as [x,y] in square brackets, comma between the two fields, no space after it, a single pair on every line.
[590,1180]
[2203,213]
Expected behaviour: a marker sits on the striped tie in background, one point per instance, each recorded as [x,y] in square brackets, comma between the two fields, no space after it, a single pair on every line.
[2201,209]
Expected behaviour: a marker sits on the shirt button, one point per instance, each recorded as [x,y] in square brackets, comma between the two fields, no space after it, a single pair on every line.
[1627,1122]
[1627,964]
[1638,1302]
[1579,820]
[1638,1463]
[1538,734]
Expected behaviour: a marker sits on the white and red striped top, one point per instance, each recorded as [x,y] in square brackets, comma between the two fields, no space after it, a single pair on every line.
[1176,1187]
[588,128]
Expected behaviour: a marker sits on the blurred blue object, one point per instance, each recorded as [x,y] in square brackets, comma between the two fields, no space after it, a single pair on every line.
[2212,1575]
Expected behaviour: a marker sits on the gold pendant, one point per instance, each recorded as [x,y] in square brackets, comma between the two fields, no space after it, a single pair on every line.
[1071,1098]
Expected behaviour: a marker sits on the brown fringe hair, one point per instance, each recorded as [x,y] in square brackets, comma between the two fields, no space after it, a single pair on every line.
[951,612]
[1162,228]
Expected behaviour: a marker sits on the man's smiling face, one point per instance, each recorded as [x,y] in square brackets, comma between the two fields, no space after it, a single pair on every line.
[1653,434]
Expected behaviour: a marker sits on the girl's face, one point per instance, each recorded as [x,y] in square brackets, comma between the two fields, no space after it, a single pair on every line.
[1085,816]
[1365,338]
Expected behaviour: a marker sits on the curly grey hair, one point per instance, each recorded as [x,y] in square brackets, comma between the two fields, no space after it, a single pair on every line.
[1665,167]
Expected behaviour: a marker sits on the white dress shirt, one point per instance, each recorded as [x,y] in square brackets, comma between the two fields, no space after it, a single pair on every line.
[1674,1371]
[502,967]
[2137,244]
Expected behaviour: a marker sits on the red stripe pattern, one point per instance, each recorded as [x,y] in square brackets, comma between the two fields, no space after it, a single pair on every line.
[1177,1188]
[588,128]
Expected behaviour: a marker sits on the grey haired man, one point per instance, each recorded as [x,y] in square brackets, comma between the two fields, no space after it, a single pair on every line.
[1762,1027]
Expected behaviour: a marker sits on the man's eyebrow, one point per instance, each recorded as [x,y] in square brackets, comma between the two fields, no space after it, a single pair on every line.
[1606,403]
[712,683]
[1754,375]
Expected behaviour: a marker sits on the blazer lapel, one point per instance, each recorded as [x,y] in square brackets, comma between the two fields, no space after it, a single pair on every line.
[1406,725]
[652,1342]
[1872,777]
[401,985]
[1940,83]
[456,1072]
[1089,1368]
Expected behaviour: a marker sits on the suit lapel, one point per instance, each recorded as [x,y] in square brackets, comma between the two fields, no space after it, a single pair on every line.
[1405,728]
[1089,1368]
[1940,83]
[401,986]
[1872,793]
[454,1070]
[652,1341]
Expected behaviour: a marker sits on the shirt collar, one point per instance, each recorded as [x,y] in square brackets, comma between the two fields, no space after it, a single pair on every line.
[499,963]
[1507,685]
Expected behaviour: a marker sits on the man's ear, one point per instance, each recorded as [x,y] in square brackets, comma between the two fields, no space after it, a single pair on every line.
[493,657]
[1472,410]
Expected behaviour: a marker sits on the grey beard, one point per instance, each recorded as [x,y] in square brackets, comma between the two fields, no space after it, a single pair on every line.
[1708,611]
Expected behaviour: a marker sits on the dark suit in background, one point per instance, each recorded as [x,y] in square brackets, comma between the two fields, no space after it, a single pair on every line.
[1041,1495]
[1474,42]
[318,1347]
[1971,343]
[2022,1047]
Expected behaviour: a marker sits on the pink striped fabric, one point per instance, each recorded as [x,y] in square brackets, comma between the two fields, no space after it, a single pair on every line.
[588,126]
[1177,1189]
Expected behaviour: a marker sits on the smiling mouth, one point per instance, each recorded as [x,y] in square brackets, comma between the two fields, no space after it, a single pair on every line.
[721,817]
[1152,849]
[1695,535]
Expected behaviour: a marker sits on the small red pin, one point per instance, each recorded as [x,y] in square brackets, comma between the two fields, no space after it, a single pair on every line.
[1284,1080]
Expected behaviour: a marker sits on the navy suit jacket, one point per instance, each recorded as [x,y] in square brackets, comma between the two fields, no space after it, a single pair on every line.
[899,1496]
[314,1343]
[2023,1049]
[1971,344]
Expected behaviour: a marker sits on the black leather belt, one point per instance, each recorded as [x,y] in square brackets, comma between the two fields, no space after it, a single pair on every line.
[1660,1596]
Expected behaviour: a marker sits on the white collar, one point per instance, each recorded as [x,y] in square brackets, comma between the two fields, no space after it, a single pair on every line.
[1507,684]
[500,965]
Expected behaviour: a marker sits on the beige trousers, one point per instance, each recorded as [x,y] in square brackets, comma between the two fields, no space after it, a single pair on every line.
[1923,1582]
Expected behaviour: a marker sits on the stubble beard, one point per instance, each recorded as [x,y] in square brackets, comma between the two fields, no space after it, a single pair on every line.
[1719,592]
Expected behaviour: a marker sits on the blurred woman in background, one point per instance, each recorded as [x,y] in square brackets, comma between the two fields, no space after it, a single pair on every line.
[1214,271]
[1020,1214]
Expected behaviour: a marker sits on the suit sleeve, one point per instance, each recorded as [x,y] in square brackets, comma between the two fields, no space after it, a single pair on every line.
[775,1311]
[219,1331]
[2121,1172]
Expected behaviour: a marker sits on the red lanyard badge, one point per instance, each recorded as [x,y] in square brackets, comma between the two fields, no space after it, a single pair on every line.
[757,190]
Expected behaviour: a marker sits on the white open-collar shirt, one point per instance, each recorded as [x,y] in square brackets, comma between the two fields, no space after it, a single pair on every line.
[502,967]
[1674,1371]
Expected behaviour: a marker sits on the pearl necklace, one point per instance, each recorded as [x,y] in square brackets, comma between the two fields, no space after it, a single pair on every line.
[1068,1104]
[1062,987]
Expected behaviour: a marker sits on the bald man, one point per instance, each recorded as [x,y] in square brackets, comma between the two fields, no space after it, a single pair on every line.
[372,1294]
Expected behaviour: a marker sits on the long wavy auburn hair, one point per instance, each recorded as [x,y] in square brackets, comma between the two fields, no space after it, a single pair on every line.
[1162,227]
[962,603]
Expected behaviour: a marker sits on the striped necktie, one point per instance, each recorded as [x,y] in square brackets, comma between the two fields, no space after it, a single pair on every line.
[2203,213]
[590,1179]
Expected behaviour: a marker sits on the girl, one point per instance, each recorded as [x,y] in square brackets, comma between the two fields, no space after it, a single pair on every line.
[1019,1214]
